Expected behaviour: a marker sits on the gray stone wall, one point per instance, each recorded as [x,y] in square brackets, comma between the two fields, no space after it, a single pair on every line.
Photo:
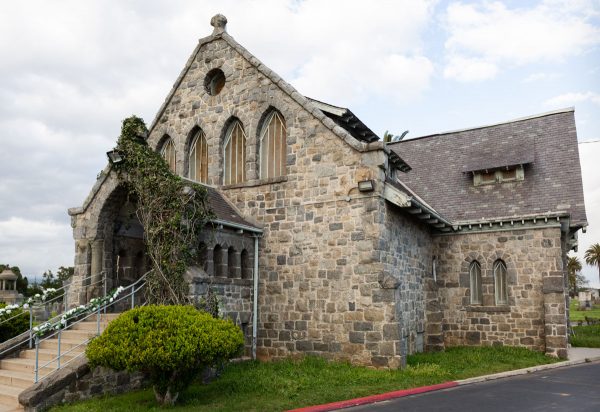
[321,236]
[230,280]
[407,255]
[535,288]
[76,382]
[342,273]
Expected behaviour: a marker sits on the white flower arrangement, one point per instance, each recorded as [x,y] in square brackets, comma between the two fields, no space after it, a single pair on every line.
[29,302]
[92,306]
[8,309]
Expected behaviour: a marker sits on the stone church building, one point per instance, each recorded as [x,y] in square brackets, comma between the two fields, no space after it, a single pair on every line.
[328,241]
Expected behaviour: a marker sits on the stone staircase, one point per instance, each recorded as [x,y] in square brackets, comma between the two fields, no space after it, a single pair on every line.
[17,374]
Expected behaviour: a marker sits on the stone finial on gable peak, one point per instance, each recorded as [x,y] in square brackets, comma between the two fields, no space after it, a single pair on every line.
[219,22]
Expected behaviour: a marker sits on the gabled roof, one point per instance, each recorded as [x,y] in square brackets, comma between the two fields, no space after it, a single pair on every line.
[224,212]
[365,144]
[546,143]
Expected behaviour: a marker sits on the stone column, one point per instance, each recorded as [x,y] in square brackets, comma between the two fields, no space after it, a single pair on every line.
[434,335]
[97,247]
[235,270]
[220,264]
[555,315]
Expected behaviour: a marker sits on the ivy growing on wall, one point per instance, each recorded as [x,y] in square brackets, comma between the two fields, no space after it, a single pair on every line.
[172,211]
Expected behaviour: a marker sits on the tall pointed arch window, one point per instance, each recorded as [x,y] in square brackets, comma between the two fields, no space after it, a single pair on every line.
[198,158]
[273,147]
[234,155]
[168,153]
[475,283]
[500,283]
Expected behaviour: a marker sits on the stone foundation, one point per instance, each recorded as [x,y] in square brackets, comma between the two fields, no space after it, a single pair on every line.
[76,382]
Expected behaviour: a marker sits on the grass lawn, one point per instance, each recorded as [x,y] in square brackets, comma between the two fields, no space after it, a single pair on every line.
[277,386]
[586,336]
[576,315]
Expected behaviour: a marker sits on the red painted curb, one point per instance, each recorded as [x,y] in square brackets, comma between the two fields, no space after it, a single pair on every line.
[375,398]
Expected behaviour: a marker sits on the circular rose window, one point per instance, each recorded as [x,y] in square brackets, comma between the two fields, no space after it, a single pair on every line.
[214,81]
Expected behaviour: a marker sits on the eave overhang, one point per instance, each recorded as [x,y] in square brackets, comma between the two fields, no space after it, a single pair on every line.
[416,208]
[398,162]
[347,120]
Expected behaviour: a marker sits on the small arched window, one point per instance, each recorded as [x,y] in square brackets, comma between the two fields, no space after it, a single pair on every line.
[202,255]
[231,263]
[198,158]
[500,283]
[273,147]
[234,155]
[245,263]
[219,265]
[475,283]
[168,153]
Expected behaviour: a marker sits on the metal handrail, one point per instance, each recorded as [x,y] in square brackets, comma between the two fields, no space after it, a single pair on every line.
[38,305]
[97,311]
[67,290]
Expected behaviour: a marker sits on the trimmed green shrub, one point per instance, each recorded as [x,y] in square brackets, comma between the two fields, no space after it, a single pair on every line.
[15,326]
[171,344]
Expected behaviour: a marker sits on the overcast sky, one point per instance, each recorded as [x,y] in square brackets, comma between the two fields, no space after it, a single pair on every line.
[70,71]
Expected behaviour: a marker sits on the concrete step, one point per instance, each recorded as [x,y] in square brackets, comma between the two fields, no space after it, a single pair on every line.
[65,344]
[9,395]
[11,408]
[48,354]
[111,316]
[75,334]
[17,374]
[89,326]
[26,365]
[16,379]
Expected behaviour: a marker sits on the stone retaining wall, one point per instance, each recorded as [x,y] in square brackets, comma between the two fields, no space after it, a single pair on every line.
[76,382]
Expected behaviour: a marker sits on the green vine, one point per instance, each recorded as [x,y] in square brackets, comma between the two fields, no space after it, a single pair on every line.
[172,211]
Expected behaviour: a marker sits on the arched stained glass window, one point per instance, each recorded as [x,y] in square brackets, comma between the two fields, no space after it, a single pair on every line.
[234,155]
[168,153]
[198,160]
[500,283]
[475,283]
[273,147]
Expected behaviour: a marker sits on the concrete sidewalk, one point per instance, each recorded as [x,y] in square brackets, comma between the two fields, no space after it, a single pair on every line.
[583,353]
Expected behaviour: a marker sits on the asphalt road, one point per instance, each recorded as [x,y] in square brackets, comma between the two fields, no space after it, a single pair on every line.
[573,389]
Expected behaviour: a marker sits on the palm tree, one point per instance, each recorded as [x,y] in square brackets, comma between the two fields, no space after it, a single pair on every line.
[390,138]
[573,267]
[387,137]
[592,256]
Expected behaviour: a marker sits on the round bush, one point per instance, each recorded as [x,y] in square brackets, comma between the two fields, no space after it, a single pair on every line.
[172,344]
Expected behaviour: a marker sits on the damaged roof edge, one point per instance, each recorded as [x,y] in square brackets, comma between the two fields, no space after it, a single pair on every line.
[344,118]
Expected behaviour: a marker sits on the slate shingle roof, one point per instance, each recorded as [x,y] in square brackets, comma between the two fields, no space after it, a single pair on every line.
[224,211]
[547,144]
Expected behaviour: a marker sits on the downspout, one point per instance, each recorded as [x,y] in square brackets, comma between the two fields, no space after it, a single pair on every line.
[255,299]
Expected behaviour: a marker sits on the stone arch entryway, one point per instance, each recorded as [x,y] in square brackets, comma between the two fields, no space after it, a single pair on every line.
[109,241]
